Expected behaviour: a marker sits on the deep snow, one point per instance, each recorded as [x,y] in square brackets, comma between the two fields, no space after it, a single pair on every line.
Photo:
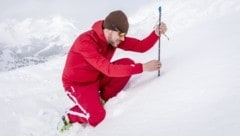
[196,94]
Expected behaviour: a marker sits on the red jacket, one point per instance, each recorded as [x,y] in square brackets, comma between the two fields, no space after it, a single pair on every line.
[90,56]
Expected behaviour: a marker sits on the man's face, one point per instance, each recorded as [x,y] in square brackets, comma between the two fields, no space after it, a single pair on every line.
[115,38]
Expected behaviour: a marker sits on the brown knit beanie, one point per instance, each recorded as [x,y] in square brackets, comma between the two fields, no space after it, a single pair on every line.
[116,21]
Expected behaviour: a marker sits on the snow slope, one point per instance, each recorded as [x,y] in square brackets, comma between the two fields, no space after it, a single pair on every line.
[196,94]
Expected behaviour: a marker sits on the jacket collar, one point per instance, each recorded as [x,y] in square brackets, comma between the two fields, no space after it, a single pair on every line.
[98,28]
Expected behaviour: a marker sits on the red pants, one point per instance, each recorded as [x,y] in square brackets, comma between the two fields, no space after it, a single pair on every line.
[88,108]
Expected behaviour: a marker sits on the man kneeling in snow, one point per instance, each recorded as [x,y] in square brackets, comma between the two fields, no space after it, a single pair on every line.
[90,78]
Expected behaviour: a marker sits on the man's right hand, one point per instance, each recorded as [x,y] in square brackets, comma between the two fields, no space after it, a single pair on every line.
[152,65]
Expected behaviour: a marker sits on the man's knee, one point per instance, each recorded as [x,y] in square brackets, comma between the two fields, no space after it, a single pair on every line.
[97,117]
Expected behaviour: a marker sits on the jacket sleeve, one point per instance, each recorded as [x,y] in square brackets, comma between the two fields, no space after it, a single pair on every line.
[90,53]
[133,44]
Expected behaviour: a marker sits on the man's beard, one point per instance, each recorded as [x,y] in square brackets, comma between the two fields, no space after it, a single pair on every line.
[111,42]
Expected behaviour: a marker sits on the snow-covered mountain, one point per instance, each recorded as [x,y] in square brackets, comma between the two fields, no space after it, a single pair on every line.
[31,41]
[196,94]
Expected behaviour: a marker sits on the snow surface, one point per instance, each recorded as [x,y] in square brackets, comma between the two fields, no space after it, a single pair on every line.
[197,93]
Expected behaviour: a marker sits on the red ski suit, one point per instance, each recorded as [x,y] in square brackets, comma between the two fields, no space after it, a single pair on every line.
[89,74]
